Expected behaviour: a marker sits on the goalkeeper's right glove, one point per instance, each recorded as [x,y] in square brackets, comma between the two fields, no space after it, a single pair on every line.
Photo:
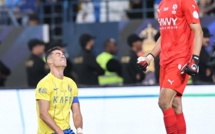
[144,62]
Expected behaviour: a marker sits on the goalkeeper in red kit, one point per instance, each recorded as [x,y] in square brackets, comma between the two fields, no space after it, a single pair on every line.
[179,46]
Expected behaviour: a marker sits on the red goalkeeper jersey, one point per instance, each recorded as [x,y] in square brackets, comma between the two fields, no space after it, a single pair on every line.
[174,17]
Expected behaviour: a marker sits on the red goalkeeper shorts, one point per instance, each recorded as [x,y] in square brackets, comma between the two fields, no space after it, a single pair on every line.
[171,77]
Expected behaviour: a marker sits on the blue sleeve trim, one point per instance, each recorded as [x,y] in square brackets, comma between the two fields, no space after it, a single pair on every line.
[75,100]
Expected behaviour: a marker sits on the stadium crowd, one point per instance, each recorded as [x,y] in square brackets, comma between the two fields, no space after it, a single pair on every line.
[106,69]
[86,11]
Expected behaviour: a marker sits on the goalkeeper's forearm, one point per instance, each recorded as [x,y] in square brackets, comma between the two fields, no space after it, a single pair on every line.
[198,35]
[155,51]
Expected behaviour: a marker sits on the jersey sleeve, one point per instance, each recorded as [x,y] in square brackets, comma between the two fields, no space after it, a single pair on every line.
[42,91]
[190,10]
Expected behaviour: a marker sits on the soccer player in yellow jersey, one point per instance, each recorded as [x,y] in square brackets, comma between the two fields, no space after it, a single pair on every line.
[56,95]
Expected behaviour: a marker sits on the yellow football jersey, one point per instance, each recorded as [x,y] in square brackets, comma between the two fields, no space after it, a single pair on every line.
[61,93]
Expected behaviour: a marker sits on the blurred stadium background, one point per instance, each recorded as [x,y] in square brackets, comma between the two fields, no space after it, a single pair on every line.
[106,110]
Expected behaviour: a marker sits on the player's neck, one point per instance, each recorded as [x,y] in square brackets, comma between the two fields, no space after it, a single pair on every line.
[57,72]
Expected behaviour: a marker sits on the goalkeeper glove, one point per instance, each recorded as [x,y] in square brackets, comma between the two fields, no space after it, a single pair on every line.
[144,62]
[192,67]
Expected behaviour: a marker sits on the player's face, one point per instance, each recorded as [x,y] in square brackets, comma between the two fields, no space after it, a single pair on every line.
[58,58]
[206,41]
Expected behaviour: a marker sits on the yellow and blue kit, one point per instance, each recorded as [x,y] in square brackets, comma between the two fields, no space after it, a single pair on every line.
[61,93]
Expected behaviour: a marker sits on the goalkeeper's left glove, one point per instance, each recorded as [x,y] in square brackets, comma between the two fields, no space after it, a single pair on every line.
[192,67]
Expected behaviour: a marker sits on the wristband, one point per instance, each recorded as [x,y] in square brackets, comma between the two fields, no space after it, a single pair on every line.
[151,55]
[195,58]
[79,130]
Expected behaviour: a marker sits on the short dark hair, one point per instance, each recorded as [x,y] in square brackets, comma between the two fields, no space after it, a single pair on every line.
[85,38]
[109,40]
[133,38]
[49,52]
[35,42]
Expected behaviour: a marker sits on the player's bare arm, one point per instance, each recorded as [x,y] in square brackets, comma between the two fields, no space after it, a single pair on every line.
[45,116]
[192,67]
[144,61]
[156,50]
[77,117]
[198,35]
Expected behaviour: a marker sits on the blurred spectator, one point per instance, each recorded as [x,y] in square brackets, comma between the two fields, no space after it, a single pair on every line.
[131,73]
[21,9]
[211,64]
[112,67]
[86,13]
[113,10]
[33,20]
[102,11]
[97,8]
[205,72]
[35,66]
[12,8]
[28,6]
[11,4]
[85,65]
[4,73]
[136,9]
[207,7]
[68,71]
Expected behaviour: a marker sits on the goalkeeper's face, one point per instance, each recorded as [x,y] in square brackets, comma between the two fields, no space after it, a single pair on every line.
[58,59]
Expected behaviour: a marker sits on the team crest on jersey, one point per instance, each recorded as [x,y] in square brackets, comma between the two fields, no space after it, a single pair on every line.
[174,8]
[69,88]
[195,14]
[42,90]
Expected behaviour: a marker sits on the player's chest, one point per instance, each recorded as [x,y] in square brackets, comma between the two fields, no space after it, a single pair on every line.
[62,94]
[169,9]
